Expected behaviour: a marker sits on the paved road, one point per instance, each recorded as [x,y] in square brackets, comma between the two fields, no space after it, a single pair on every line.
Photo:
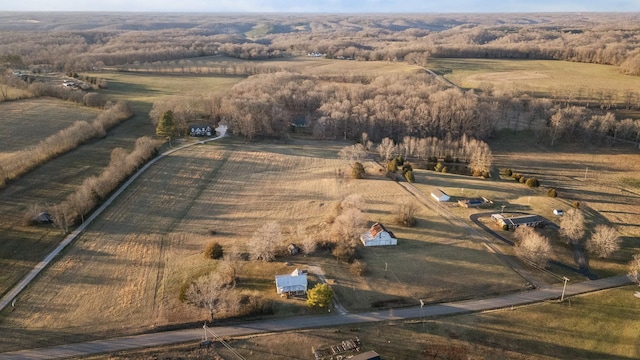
[16,290]
[437,310]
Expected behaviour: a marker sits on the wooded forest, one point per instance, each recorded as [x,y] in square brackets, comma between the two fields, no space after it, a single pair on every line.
[394,106]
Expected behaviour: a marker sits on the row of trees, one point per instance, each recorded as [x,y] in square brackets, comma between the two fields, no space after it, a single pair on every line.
[96,188]
[579,124]
[19,163]
[532,245]
[119,40]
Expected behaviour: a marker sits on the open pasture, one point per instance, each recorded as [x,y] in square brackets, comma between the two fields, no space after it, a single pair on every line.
[128,267]
[600,179]
[131,86]
[24,123]
[544,77]
[302,64]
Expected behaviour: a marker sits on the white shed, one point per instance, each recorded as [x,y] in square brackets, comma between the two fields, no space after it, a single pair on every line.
[439,195]
[378,236]
[292,284]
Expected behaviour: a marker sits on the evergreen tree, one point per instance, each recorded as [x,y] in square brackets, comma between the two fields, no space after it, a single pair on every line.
[166,126]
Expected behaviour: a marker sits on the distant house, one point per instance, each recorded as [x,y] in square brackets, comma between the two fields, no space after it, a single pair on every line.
[299,122]
[439,195]
[514,222]
[292,284]
[199,130]
[378,236]
[293,249]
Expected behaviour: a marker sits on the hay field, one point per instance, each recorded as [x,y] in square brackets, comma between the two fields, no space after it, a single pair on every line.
[24,123]
[544,77]
[301,64]
[147,88]
[124,274]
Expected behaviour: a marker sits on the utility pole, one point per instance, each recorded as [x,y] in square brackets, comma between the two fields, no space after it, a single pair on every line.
[564,287]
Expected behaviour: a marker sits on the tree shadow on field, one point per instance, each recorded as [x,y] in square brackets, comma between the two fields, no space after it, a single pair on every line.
[121,88]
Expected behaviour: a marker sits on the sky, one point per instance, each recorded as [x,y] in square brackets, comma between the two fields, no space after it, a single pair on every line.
[326,6]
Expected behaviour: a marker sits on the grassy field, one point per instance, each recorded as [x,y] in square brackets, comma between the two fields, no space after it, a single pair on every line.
[609,195]
[301,64]
[22,125]
[128,267]
[123,275]
[602,325]
[544,77]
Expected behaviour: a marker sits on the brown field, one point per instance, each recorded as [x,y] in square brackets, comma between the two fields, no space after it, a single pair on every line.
[127,269]
[23,123]
[123,275]
[24,246]
[544,77]
[300,64]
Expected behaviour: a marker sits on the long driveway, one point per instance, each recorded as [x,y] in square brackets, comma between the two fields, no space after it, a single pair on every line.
[16,290]
[288,324]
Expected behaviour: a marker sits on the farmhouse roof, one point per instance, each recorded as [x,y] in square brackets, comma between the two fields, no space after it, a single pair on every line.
[525,219]
[296,281]
[377,228]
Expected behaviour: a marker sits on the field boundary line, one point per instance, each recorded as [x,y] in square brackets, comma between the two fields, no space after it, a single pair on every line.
[12,295]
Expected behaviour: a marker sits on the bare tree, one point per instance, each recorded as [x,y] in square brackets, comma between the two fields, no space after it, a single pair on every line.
[406,213]
[354,152]
[213,293]
[572,225]
[348,226]
[604,241]
[308,242]
[532,245]
[634,269]
[353,201]
[265,241]
[386,148]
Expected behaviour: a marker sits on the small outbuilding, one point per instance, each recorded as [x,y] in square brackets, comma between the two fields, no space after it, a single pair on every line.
[292,284]
[378,236]
[440,195]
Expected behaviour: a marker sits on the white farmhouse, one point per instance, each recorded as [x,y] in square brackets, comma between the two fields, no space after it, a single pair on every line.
[292,284]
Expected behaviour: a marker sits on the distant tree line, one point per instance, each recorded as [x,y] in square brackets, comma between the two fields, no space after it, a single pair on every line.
[395,106]
[388,106]
[107,41]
